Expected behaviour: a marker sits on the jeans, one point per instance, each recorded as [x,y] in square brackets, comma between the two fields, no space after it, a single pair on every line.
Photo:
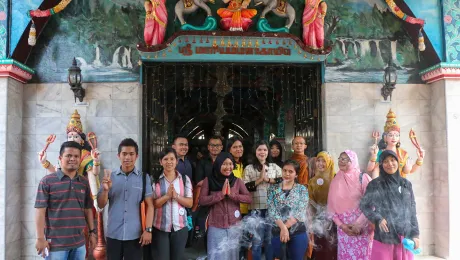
[263,236]
[223,243]
[296,246]
[72,254]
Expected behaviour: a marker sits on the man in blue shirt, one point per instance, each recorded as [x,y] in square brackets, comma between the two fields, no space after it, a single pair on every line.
[180,145]
[123,187]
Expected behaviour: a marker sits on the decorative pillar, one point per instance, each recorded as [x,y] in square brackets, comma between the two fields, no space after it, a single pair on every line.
[13,75]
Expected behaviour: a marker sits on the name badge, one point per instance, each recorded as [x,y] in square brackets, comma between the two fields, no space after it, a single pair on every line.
[320,182]
[181,211]
[237,214]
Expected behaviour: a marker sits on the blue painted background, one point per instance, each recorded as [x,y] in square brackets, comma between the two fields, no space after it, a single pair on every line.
[430,11]
[20,19]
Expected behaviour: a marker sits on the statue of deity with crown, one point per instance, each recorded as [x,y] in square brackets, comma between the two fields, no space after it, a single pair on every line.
[391,141]
[90,165]
[237,16]
[90,158]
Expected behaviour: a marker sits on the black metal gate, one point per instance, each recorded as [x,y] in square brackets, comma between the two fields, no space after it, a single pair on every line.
[253,101]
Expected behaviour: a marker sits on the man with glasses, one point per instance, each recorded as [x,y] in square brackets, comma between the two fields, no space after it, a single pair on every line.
[203,170]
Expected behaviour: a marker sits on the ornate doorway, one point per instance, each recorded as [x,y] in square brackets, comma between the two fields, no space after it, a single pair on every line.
[253,101]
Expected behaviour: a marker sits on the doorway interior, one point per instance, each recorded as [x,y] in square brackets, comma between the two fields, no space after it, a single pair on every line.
[250,100]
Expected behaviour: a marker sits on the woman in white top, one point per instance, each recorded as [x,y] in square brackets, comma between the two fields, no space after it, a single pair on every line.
[258,177]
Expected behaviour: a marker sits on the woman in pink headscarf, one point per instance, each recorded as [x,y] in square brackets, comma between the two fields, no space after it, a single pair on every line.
[156,19]
[346,190]
[313,23]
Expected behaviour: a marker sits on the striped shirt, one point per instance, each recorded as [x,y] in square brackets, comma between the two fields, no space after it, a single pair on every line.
[65,200]
[171,216]
[259,197]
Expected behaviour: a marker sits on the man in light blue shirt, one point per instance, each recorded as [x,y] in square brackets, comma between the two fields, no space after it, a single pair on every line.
[124,187]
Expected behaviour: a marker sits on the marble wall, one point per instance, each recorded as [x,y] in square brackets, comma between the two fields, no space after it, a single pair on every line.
[351,111]
[11,113]
[113,113]
[450,182]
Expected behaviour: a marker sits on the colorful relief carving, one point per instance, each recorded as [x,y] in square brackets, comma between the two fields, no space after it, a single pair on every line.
[313,23]
[156,19]
[191,6]
[237,16]
[279,7]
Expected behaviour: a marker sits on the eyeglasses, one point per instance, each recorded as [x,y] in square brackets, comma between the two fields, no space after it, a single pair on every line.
[341,159]
[215,145]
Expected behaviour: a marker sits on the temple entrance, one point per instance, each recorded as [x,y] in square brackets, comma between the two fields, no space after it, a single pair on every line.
[252,101]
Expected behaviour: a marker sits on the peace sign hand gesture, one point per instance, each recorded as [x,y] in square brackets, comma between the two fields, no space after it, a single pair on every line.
[106,181]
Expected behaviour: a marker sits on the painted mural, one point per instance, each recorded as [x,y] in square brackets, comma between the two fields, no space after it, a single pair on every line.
[452,28]
[366,36]
[21,20]
[102,35]
[3,26]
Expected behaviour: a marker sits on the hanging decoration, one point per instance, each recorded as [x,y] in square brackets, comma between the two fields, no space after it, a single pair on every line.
[412,20]
[43,13]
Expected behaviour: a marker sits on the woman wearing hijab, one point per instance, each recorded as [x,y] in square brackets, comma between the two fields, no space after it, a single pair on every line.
[389,203]
[345,192]
[318,189]
[276,152]
[223,193]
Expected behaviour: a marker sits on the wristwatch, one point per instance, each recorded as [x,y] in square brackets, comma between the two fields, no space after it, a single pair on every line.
[92,231]
[149,229]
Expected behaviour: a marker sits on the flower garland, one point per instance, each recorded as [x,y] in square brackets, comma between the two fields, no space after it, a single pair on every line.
[49,12]
[44,13]
[412,20]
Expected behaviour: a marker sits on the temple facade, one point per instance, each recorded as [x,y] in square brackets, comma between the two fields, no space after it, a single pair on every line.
[262,78]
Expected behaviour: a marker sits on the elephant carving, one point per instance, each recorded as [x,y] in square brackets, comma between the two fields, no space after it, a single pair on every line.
[279,7]
[190,6]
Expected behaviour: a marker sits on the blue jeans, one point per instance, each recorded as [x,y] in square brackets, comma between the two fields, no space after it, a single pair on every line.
[72,254]
[263,236]
[296,247]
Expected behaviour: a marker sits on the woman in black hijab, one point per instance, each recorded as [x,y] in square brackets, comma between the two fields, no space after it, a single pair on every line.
[276,152]
[390,205]
[223,193]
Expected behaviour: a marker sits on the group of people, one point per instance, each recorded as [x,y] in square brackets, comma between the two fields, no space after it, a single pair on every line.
[299,207]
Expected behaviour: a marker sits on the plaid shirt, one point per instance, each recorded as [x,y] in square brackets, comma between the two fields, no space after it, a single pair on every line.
[259,197]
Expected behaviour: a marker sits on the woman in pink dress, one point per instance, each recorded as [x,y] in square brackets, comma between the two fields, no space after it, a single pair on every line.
[345,192]
[313,23]
[156,19]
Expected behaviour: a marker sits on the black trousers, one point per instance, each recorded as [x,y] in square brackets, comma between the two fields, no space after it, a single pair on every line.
[169,245]
[118,249]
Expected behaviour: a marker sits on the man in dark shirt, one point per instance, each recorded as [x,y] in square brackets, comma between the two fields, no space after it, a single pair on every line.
[63,209]
[123,188]
[204,166]
[180,145]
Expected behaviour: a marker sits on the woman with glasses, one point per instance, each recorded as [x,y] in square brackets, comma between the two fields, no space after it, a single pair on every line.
[391,136]
[318,189]
[345,192]
[258,177]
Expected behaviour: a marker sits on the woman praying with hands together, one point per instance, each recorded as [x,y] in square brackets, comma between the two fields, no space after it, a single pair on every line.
[172,194]
[223,193]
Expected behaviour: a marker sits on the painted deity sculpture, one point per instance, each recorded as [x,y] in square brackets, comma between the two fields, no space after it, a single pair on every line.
[90,158]
[313,23]
[156,19]
[237,16]
[391,138]
[279,7]
[191,6]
